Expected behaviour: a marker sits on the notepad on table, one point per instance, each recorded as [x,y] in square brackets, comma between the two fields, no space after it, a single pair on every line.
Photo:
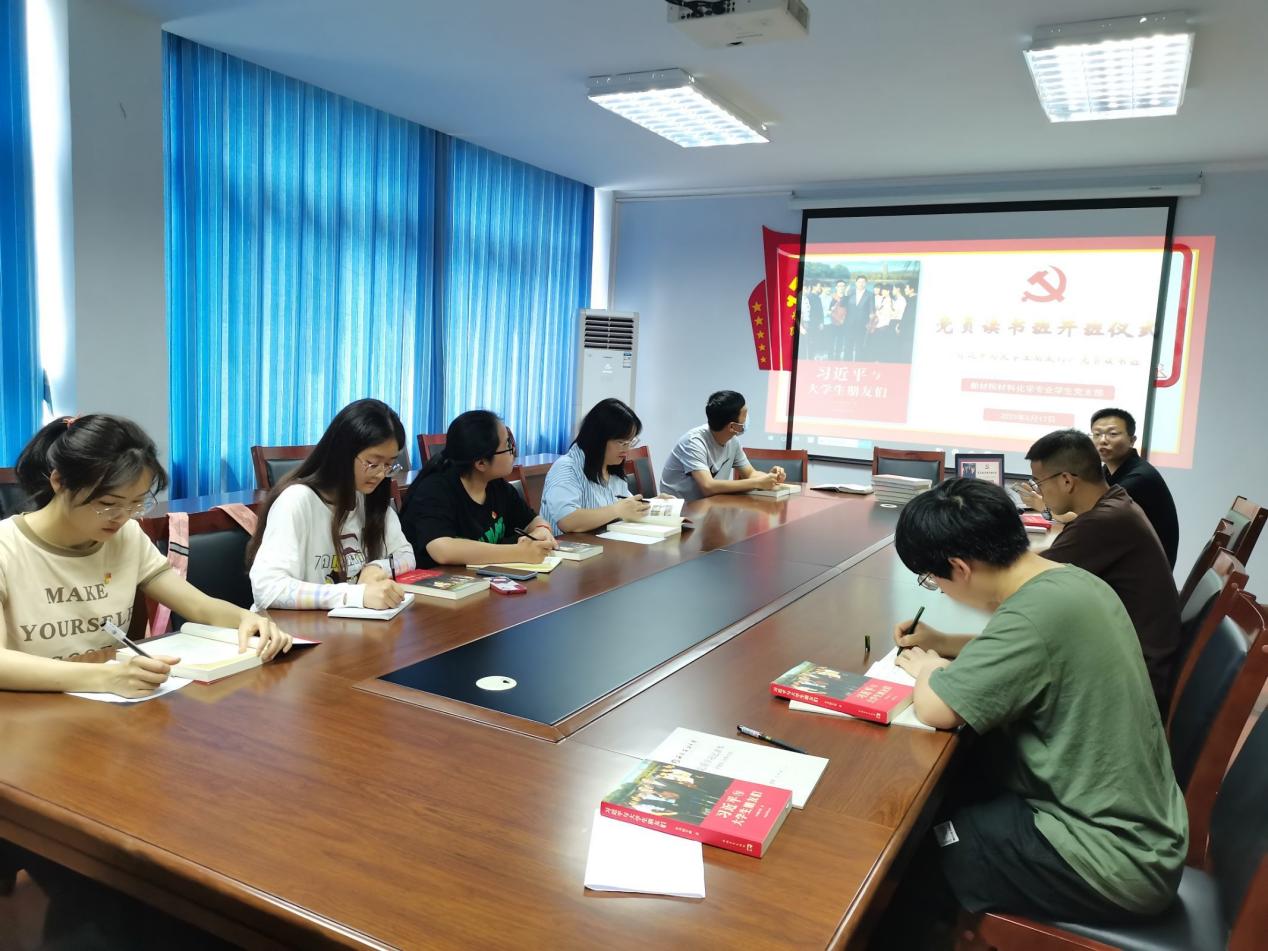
[630,858]
[543,567]
[633,539]
[372,614]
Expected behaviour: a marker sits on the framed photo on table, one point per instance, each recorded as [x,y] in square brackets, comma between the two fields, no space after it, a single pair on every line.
[987,466]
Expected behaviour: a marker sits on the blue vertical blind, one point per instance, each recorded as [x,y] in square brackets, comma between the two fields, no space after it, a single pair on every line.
[20,377]
[320,251]
[516,268]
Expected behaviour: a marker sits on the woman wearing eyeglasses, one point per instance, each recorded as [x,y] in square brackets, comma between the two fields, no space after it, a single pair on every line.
[328,536]
[585,487]
[462,511]
[77,559]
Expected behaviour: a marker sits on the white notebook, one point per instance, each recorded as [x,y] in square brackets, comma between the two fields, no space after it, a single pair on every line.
[372,614]
[629,858]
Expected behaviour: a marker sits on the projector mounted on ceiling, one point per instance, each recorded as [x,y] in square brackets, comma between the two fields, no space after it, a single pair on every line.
[718,23]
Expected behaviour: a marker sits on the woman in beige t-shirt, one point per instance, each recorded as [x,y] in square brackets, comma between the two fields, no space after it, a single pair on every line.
[77,560]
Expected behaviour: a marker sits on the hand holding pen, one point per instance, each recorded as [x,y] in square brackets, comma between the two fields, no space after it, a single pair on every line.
[137,675]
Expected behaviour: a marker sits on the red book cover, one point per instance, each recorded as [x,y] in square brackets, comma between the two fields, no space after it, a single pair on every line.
[864,697]
[415,575]
[728,813]
[1036,523]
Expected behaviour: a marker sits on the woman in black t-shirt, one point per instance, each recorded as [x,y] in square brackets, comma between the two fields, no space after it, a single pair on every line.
[462,511]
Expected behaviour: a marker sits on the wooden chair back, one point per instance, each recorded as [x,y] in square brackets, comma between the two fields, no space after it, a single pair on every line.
[639,471]
[1221,538]
[1228,668]
[796,462]
[914,463]
[1247,520]
[272,463]
[429,444]
[533,479]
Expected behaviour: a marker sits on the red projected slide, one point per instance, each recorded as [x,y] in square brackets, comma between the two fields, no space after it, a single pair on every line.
[986,344]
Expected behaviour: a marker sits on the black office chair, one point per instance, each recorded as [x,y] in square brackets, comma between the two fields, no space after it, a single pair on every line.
[795,462]
[272,463]
[12,498]
[914,464]
[1215,694]
[1223,900]
[217,556]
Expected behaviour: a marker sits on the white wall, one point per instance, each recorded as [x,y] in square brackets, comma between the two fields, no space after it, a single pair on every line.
[687,266]
[119,350]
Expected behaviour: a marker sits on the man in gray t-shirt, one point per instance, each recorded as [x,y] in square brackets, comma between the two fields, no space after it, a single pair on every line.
[703,461]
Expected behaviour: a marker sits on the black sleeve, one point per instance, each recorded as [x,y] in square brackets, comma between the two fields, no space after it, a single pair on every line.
[430,512]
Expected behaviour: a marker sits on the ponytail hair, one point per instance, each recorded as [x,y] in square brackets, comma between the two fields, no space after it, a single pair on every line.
[97,454]
[328,471]
[471,438]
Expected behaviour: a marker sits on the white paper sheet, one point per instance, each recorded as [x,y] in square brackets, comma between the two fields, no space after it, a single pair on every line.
[168,686]
[628,858]
[739,759]
[635,539]
[887,669]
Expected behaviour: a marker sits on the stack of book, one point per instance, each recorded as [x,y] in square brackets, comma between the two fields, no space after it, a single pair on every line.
[778,492]
[448,585]
[898,490]
[577,551]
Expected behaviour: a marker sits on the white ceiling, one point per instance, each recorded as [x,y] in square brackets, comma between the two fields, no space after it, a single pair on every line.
[881,89]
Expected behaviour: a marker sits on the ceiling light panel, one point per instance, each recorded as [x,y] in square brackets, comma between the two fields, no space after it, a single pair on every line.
[672,104]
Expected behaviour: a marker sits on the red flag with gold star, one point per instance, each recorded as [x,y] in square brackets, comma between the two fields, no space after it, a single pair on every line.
[757,318]
[783,255]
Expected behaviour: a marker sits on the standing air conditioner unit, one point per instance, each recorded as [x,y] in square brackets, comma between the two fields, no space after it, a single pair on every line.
[606,361]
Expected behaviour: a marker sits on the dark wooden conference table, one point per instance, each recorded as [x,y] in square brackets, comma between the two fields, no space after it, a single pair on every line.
[292,806]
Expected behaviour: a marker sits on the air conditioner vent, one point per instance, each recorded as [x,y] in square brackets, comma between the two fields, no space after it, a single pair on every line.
[608,333]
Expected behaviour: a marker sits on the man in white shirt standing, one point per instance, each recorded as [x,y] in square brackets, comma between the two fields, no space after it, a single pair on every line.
[708,460]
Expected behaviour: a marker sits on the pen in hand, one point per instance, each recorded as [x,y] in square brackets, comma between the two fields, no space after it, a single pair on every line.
[122,639]
[759,735]
[911,628]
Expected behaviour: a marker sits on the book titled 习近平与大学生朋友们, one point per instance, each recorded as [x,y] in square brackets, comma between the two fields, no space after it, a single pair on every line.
[860,696]
[731,814]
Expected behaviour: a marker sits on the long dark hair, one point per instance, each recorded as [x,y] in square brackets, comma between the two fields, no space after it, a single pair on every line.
[97,453]
[328,472]
[471,438]
[607,419]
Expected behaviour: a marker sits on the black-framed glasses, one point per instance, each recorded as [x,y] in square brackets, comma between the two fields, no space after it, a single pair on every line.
[927,580]
[510,446]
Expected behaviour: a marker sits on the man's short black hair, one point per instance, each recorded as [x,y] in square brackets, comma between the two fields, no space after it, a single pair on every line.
[1122,414]
[960,518]
[1068,450]
[723,407]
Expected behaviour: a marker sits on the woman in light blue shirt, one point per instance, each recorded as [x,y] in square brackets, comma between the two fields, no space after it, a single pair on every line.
[585,487]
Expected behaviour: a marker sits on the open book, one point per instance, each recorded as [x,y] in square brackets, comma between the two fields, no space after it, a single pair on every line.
[661,512]
[207,653]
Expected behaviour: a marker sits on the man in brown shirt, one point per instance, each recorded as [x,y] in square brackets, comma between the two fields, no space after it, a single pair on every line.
[1113,540]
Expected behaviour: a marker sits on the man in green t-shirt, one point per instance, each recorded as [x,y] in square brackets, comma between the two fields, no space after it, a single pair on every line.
[1081,817]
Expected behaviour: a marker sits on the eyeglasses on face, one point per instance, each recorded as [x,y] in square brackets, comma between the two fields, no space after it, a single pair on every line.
[739,428]
[510,445]
[624,444]
[1036,483]
[379,468]
[927,580]
[111,512]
